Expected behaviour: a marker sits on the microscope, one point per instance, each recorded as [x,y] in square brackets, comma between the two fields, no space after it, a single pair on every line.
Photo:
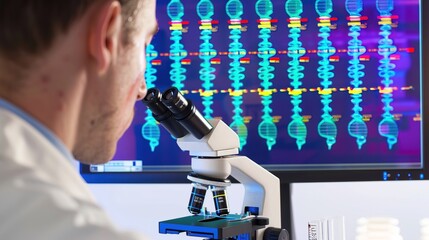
[214,148]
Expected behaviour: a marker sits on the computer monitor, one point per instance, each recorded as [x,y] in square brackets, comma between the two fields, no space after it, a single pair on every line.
[320,90]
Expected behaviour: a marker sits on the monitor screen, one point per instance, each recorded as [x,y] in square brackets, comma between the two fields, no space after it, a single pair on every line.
[326,87]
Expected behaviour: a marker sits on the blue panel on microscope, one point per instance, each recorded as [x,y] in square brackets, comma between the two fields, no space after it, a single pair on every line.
[208,227]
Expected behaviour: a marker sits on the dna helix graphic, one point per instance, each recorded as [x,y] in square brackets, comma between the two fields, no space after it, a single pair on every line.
[296,128]
[387,126]
[150,130]
[205,11]
[326,127]
[357,127]
[267,129]
[175,11]
[234,9]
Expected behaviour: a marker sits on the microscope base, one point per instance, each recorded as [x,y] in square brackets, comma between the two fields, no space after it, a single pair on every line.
[212,227]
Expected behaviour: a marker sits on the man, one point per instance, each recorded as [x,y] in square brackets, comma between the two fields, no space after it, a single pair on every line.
[70,73]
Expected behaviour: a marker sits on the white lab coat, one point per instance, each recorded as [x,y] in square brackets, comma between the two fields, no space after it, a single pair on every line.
[41,194]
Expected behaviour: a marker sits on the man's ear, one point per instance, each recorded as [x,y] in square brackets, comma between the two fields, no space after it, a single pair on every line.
[104,34]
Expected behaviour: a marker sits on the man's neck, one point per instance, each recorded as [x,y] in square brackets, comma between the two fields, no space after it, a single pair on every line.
[52,91]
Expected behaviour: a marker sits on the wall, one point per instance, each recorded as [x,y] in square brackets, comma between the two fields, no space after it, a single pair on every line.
[140,207]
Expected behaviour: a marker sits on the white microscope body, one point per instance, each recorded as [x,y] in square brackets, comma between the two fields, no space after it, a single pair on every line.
[214,147]
[215,156]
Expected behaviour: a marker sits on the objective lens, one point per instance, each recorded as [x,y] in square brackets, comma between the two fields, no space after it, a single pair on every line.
[186,113]
[160,112]
[197,198]
[220,201]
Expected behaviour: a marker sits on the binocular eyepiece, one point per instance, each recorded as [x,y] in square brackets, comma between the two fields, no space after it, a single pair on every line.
[176,113]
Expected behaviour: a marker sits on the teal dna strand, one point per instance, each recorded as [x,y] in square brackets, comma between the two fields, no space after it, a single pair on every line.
[205,11]
[150,130]
[175,11]
[387,127]
[326,127]
[234,9]
[357,127]
[266,129]
[296,128]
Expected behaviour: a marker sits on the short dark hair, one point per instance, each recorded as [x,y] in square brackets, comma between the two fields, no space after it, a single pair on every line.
[29,27]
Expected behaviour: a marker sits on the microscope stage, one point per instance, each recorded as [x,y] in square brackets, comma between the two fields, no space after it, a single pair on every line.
[211,227]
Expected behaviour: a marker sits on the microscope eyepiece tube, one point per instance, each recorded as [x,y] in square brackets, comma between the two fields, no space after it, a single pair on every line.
[196,201]
[162,114]
[153,101]
[185,112]
[220,200]
[176,102]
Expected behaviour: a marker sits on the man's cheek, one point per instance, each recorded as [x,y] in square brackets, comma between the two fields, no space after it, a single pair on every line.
[133,90]
[142,63]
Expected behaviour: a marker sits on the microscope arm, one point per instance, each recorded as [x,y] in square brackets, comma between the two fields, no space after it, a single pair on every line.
[262,188]
[215,156]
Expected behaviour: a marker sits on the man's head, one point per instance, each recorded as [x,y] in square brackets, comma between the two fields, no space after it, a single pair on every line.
[77,66]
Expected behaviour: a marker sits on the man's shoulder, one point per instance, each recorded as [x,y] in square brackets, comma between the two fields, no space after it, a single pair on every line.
[26,155]
[21,144]
[32,208]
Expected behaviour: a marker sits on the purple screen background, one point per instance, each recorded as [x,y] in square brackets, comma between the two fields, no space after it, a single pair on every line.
[285,154]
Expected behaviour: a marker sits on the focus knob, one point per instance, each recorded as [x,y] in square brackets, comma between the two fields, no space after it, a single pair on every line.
[272,233]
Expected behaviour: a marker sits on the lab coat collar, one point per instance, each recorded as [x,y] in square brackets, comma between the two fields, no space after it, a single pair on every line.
[29,148]
[47,133]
